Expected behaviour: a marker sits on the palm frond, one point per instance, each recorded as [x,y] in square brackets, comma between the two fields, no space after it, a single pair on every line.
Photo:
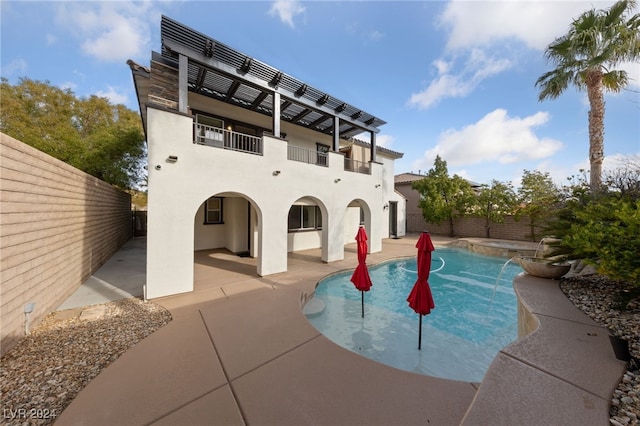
[615,80]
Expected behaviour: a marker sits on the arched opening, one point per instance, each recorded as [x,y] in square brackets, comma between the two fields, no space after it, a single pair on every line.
[357,213]
[226,231]
[307,228]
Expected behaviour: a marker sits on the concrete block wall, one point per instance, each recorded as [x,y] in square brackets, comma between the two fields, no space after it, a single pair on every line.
[58,225]
[470,226]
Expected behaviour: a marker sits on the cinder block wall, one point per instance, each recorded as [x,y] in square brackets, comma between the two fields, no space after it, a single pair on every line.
[58,225]
[470,226]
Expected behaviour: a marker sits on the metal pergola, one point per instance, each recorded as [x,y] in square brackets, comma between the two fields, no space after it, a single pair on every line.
[220,72]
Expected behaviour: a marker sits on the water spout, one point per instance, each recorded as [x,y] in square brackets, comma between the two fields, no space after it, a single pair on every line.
[495,287]
[538,248]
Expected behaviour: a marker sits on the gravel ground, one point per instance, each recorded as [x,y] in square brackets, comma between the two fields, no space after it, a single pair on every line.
[46,370]
[600,299]
[43,373]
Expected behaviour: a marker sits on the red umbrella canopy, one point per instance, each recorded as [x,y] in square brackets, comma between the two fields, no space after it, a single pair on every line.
[360,277]
[420,299]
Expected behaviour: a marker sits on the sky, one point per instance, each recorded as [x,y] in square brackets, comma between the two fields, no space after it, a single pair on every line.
[450,78]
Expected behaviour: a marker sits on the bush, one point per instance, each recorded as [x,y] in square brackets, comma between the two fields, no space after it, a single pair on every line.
[602,226]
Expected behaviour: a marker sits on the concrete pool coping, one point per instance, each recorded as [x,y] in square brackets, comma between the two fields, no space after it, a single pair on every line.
[239,351]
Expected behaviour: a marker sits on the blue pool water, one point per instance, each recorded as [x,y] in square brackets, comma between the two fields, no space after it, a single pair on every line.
[475,314]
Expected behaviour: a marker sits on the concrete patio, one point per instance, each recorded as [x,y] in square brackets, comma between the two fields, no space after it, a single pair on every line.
[239,351]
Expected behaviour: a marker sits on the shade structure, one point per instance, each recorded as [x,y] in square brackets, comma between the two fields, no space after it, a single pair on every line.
[360,277]
[420,299]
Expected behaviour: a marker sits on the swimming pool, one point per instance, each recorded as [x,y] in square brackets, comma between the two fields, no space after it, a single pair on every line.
[475,314]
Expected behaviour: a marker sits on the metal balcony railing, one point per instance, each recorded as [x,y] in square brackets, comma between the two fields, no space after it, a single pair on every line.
[357,166]
[309,156]
[227,139]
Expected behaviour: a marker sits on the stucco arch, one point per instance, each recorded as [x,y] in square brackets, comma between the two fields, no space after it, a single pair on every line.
[238,229]
[352,222]
[309,238]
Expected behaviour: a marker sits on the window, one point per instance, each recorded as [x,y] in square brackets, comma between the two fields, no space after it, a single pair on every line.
[209,129]
[246,130]
[322,150]
[213,211]
[303,218]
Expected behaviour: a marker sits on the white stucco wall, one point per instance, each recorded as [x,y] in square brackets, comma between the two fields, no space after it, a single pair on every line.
[177,191]
[303,240]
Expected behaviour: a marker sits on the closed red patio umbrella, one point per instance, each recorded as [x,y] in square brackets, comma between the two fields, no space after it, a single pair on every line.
[360,277]
[420,299]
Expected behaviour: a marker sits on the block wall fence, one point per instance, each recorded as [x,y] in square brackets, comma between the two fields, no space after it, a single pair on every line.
[474,227]
[58,225]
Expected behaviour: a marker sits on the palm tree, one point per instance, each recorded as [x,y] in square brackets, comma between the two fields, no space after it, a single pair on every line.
[597,42]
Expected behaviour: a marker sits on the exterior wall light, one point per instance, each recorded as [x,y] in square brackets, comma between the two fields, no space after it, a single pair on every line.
[172,159]
[158,166]
[276,172]
[377,185]
[337,180]
[385,207]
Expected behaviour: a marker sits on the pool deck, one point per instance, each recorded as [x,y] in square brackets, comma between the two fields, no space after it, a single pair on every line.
[239,351]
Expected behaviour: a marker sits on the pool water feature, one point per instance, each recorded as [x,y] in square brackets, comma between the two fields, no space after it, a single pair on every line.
[475,314]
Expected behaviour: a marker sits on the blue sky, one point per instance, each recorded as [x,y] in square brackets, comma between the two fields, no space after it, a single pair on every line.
[450,78]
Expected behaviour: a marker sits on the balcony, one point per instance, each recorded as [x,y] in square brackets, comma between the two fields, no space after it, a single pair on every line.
[356,166]
[309,156]
[227,139]
[235,141]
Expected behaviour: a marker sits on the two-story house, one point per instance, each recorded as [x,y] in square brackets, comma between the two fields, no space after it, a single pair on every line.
[245,157]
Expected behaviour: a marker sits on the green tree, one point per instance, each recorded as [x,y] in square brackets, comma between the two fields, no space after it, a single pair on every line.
[443,197]
[91,134]
[41,115]
[538,199]
[586,57]
[494,202]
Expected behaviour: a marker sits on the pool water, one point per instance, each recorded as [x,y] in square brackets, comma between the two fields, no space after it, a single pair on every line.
[475,314]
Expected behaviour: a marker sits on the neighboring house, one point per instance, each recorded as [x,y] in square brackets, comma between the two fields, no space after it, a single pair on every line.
[402,184]
[244,157]
[414,219]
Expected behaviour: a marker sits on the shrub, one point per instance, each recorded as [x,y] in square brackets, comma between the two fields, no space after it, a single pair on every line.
[602,227]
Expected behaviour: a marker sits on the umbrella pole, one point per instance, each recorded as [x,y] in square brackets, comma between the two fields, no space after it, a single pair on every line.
[420,334]
[362,294]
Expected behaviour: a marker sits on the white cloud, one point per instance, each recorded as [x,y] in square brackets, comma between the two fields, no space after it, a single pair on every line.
[442,66]
[496,137]
[375,35]
[477,68]
[385,141]
[633,72]
[114,96]
[111,31]
[68,85]
[286,10]
[535,23]
[17,67]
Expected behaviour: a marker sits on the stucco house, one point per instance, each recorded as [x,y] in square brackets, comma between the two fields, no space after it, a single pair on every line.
[245,157]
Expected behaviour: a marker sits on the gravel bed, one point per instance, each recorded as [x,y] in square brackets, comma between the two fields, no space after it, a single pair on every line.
[600,298]
[45,371]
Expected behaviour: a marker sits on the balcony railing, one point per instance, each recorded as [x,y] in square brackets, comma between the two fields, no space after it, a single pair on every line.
[357,166]
[309,156]
[227,139]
